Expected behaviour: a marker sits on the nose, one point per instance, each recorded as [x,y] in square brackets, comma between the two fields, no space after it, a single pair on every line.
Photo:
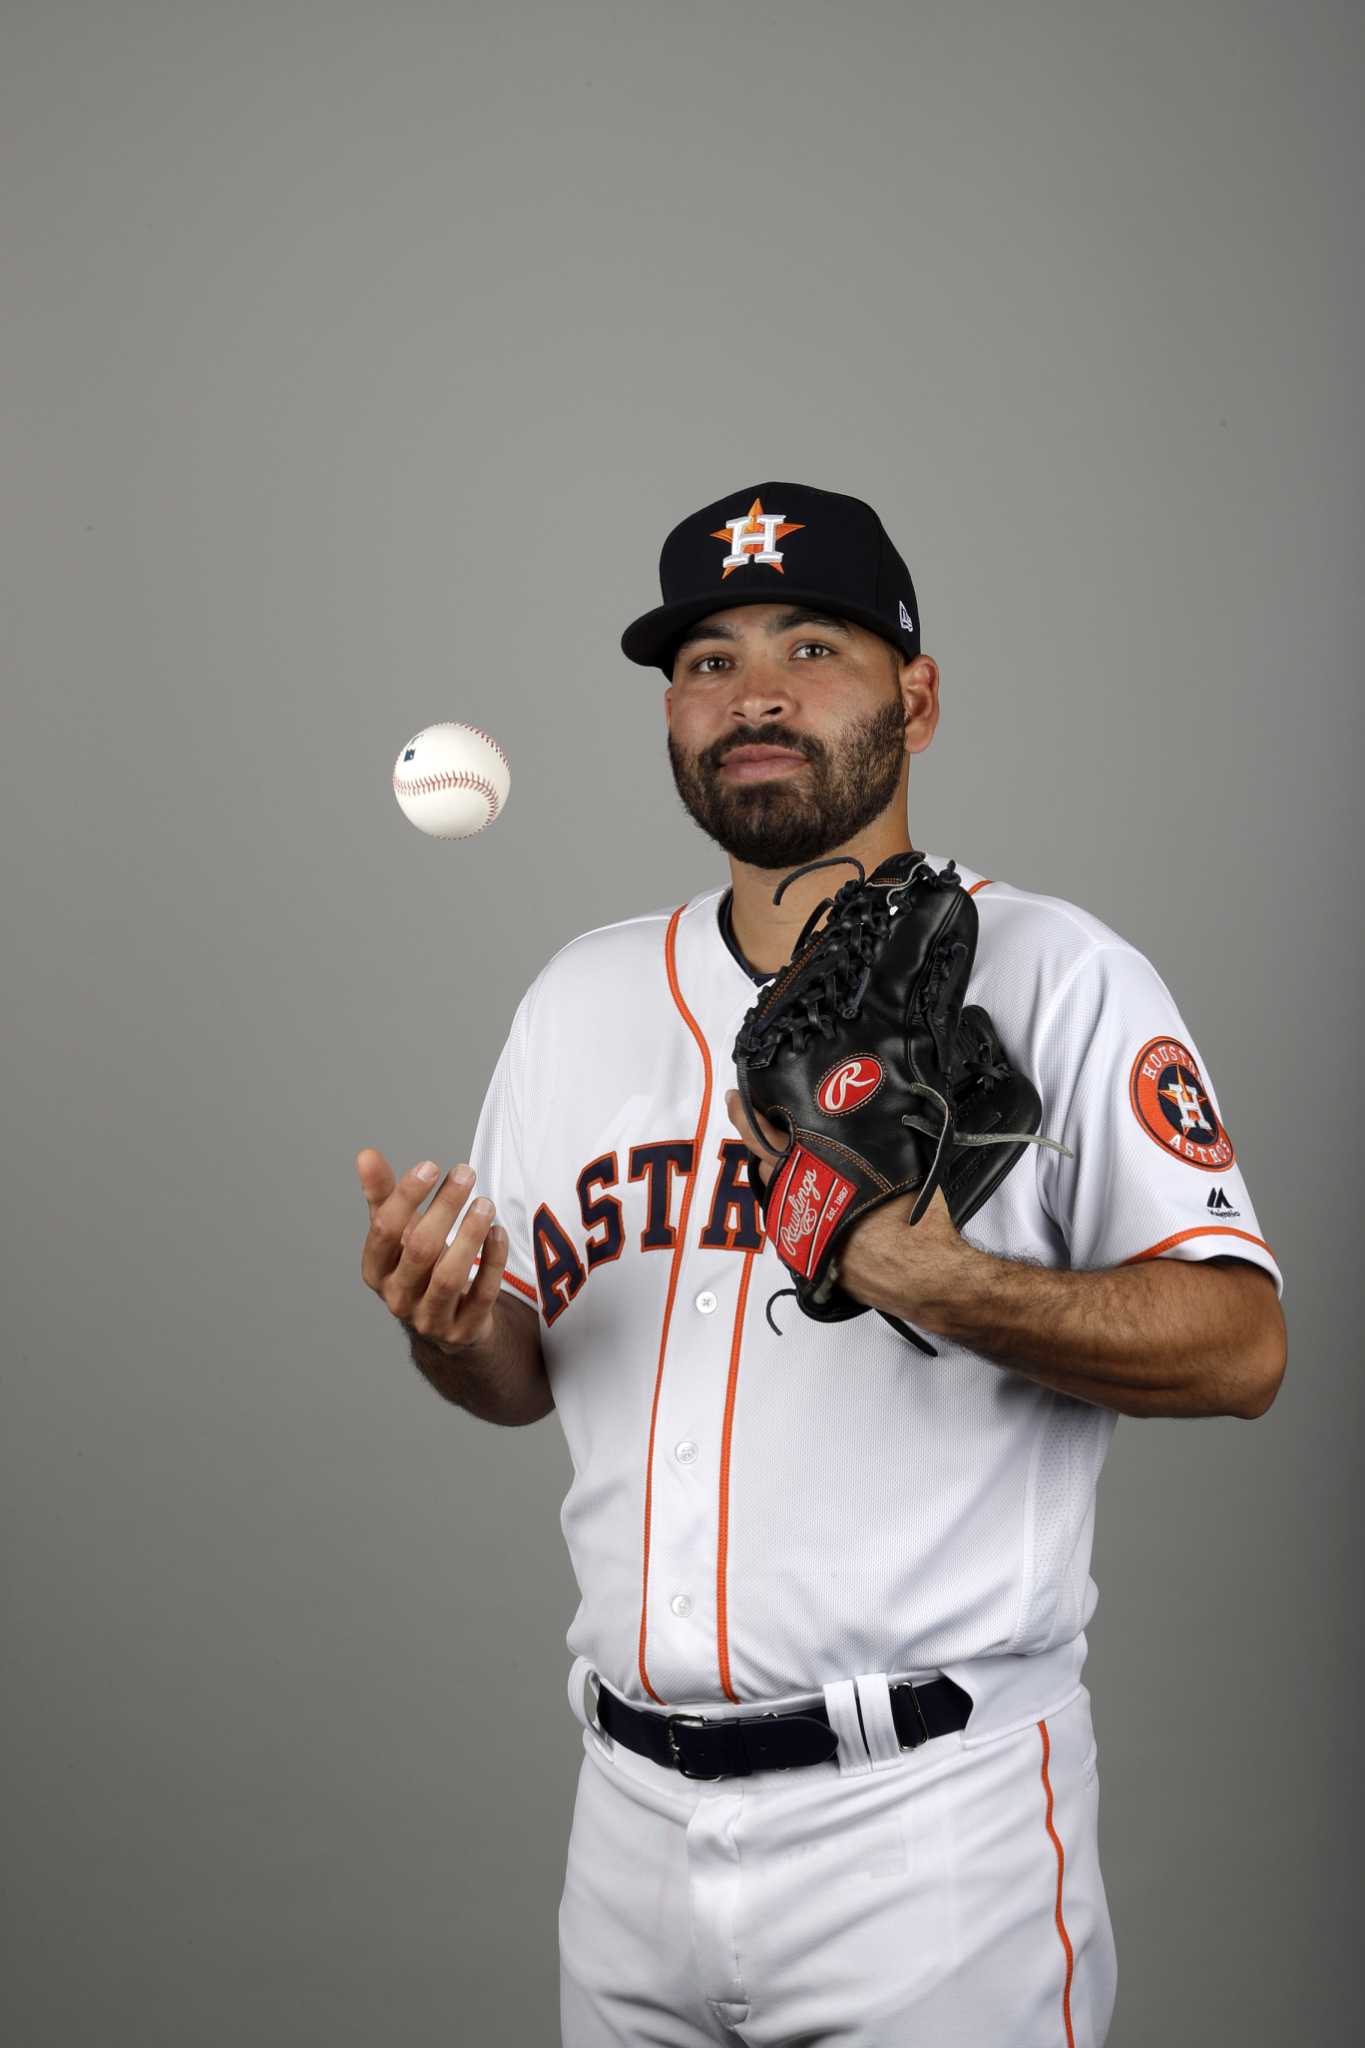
[762,691]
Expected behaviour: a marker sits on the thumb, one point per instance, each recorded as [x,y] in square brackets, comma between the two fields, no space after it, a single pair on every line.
[766,1138]
[375,1175]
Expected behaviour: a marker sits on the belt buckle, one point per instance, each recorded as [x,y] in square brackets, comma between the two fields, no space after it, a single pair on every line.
[686,1721]
[923,1735]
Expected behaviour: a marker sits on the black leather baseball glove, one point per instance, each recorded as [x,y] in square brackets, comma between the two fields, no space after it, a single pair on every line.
[863,1052]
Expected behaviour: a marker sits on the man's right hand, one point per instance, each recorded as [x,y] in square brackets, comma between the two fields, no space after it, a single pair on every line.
[420,1278]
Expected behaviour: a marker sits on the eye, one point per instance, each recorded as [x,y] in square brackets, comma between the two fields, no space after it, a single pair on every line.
[700,667]
[822,645]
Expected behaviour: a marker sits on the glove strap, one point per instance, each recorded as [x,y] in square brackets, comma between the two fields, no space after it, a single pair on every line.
[920,1123]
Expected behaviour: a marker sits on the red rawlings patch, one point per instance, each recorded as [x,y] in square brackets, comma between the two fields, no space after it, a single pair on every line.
[849,1085]
[807,1202]
[1171,1103]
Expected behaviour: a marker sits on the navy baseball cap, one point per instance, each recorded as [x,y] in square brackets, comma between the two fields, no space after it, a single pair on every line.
[774,543]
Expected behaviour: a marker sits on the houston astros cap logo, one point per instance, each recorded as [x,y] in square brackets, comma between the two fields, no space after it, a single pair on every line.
[753,537]
[1172,1104]
[842,564]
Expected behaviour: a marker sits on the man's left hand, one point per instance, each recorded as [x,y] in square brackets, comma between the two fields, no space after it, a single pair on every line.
[881,1262]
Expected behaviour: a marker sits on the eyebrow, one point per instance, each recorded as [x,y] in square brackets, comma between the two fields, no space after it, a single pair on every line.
[783,623]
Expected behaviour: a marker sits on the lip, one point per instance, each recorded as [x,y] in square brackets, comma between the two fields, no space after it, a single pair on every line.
[748,764]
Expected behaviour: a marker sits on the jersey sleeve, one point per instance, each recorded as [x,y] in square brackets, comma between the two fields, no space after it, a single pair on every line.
[497,1155]
[1154,1171]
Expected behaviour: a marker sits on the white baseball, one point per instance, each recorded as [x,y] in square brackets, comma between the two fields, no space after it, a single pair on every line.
[451,779]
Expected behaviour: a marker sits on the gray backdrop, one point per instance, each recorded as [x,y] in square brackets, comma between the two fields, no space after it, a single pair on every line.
[359,357]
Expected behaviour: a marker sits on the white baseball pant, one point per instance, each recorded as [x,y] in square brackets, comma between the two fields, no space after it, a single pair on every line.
[948,1896]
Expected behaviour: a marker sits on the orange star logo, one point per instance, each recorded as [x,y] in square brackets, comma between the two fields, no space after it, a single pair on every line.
[753,537]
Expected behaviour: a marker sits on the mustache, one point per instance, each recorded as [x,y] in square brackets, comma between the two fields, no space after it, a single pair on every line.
[761,736]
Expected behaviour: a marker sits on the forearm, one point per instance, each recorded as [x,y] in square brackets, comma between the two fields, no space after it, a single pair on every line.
[501,1381]
[1162,1338]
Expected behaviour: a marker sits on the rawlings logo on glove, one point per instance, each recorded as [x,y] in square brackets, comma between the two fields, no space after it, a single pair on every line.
[849,1085]
[802,1212]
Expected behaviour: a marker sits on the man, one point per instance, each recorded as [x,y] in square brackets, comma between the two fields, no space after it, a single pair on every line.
[839,1776]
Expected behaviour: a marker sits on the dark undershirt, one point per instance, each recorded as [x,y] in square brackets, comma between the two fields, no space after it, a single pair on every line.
[727,932]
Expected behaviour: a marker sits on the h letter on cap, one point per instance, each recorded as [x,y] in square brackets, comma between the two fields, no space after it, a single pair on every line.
[753,537]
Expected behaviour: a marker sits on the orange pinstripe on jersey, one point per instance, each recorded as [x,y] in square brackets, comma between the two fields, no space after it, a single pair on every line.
[1063,1936]
[722,1541]
[671,965]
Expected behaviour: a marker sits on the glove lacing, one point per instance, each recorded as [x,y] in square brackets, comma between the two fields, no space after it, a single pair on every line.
[848,949]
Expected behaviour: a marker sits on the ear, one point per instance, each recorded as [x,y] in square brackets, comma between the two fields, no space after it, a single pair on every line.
[919,693]
[668,707]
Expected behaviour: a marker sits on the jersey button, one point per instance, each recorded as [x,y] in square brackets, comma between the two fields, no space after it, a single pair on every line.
[681,1604]
[685,1452]
[706,1302]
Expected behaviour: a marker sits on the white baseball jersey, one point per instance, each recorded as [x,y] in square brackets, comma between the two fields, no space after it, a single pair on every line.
[752,1516]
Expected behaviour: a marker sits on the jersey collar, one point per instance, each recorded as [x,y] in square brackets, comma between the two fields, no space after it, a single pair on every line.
[727,932]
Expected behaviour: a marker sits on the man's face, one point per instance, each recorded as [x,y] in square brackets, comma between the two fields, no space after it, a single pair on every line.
[786,730]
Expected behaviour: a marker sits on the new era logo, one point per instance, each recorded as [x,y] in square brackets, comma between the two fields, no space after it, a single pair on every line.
[1219,1205]
[906,619]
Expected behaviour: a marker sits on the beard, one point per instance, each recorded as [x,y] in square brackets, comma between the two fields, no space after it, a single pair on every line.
[799,816]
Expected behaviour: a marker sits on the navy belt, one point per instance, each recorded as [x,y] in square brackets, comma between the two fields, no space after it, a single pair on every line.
[731,1746]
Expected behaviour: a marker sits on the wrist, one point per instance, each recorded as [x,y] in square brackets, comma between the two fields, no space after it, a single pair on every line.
[958,1292]
[433,1348]
[923,1272]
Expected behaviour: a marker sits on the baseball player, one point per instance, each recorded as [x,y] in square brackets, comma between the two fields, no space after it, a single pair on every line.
[839,1775]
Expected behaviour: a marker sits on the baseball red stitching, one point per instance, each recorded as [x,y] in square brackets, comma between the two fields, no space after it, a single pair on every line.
[422,785]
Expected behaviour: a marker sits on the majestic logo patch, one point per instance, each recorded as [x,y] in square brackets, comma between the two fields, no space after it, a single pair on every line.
[1219,1205]
[849,1085]
[807,1202]
[1171,1103]
[753,537]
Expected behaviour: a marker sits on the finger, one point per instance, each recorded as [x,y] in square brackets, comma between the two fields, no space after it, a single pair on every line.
[484,1289]
[756,1140]
[428,1294]
[775,1138]
[427,1234]
[740,1120]
[390,1218]
[375,1175]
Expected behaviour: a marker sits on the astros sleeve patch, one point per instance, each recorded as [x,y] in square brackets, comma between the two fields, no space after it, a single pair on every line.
[1173,1106]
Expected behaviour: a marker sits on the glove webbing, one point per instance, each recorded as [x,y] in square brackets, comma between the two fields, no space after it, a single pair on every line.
[835,993]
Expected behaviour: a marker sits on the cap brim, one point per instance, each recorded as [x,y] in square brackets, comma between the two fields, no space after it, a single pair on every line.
[648,641]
